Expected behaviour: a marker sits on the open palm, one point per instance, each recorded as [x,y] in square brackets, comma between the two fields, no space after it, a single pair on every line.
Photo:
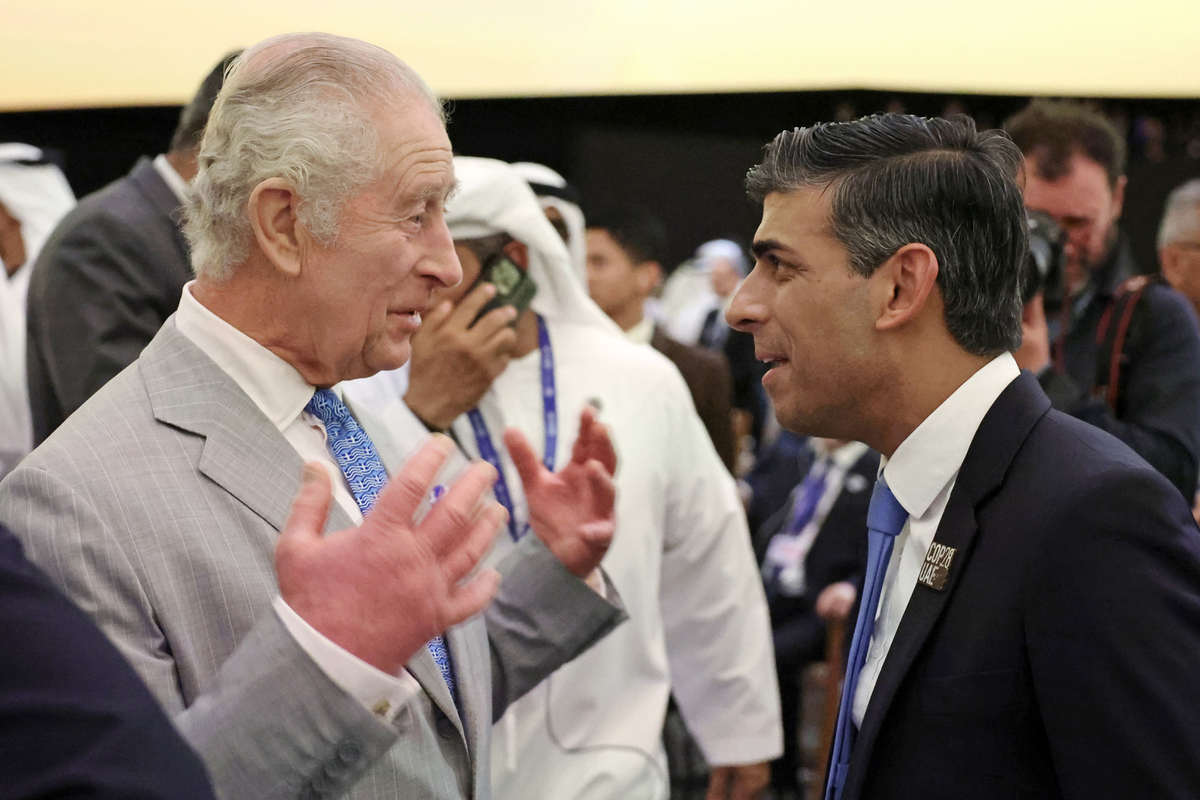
[573,511]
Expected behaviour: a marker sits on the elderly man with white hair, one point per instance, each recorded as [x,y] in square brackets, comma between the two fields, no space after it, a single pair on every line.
[1179,241]
[355,664]
[681,559]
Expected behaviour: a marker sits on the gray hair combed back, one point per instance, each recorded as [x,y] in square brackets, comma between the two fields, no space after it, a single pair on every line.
[1181,215]
[898,179]
[298,107]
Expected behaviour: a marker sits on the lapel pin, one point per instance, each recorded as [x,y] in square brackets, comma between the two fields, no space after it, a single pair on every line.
[936,568]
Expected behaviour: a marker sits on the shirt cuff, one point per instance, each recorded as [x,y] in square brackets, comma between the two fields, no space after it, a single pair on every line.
[382,694]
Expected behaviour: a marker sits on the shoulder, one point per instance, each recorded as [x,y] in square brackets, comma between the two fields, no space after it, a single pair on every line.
[685,356]
[616,357]
[1169,311]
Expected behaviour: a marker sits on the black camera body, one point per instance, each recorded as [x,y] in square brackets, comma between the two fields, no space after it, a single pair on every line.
[1045,266]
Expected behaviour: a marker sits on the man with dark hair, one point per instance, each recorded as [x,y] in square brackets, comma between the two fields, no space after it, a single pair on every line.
[111,273]
[1030,614]
[1124,352]
[625,251]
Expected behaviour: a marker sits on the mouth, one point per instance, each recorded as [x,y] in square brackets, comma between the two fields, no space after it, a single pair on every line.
[409,319]
[773,359]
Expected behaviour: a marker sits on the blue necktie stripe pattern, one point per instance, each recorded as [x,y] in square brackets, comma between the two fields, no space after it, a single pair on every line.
[364,472]
[885,520]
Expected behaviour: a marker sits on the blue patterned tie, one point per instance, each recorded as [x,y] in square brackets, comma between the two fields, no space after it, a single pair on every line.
[885,520]
[364,472]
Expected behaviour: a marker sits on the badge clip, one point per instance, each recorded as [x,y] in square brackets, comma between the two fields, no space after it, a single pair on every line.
[936,568]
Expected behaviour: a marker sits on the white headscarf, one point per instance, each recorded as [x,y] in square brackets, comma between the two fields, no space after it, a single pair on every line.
[38,195]
[492,198]
[571,213]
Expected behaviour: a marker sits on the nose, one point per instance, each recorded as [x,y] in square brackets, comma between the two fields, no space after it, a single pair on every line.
[441,262]
[750,308]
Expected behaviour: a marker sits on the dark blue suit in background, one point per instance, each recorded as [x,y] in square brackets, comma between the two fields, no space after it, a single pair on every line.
[1060,659]
[75,720]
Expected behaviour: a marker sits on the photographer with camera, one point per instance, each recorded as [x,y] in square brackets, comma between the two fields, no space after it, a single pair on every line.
[1113,348]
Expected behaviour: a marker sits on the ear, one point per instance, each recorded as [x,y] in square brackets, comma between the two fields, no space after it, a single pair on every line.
[277,229]
[902,285]
[647,275]
[518,252]
[1168,265]
[1119,197]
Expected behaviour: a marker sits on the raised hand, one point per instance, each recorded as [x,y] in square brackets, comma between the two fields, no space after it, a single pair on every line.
[382,590]
[453,362]
[573,511]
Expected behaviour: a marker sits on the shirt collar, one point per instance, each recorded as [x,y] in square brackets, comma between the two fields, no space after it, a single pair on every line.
[929,459]
[174,181]
[274,385]
[641,333]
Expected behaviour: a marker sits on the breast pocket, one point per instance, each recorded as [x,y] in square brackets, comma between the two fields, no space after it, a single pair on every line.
[977,693]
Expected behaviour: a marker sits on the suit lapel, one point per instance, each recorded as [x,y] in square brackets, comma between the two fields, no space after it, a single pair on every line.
[147,180]
[243,452]
[1000,435]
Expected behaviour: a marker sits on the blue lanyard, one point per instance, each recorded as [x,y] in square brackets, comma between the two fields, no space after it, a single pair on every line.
[487,450]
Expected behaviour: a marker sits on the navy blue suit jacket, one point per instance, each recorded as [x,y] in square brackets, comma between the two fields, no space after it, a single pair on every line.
[1060,659]
[75,720]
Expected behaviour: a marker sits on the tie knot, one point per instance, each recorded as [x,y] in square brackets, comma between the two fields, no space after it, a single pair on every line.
[885,515]
[326,406]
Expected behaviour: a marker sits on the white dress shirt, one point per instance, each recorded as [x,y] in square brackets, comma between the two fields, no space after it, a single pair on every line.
[174,181]
[281,393]
[921,474]
[641,333]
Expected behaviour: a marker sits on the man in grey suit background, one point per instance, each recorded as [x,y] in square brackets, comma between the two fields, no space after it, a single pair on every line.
[317,235]
[111,273]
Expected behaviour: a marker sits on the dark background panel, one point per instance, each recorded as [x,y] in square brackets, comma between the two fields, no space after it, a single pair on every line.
[682,155]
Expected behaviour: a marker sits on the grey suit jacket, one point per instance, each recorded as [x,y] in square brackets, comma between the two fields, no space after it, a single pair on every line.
[156,507]
[108,277]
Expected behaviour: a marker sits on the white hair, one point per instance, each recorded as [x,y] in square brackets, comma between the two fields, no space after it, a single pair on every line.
[299,107]
[1181,217]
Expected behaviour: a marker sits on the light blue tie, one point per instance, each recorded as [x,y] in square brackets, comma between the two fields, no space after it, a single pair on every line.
[885,520]
[364,472]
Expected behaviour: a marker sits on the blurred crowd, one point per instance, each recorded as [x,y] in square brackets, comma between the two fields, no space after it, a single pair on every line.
[739,546]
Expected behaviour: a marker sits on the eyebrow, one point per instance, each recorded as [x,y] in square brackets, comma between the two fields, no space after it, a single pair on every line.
[761,247]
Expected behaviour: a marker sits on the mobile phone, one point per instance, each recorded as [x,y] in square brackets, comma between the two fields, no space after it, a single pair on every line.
[513,285]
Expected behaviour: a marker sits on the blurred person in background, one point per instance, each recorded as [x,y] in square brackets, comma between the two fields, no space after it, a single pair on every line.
[681,559]
[111,273]
[1075,172]
[1179,241]
[561,203]
[813,555]
[625,250]
[34,196]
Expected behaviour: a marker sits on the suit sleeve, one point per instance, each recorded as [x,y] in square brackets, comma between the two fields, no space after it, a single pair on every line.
[75,720]
[100,300]
[271,725]
[716,625]
[1113,632]
[1161,415]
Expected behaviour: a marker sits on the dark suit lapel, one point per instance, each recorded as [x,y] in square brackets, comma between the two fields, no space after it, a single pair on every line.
[156,191]
[1000,435]
[244,453]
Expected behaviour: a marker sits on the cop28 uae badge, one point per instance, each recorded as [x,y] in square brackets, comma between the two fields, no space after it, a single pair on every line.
[936,567]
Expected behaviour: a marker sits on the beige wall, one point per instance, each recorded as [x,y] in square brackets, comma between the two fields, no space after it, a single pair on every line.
[65,53]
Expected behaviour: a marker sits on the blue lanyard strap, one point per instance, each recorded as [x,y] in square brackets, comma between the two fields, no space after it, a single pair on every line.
[487,450]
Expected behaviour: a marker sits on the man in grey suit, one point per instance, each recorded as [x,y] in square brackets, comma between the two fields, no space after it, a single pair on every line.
[111,273]
[317,235]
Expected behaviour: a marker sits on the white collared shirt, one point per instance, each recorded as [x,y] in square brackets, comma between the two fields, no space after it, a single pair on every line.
[174,181]
[921,474]
[281,393]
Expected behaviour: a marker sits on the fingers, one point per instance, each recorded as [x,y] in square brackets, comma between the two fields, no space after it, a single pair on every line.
[471,305]
[475,543]
[310,508]
[437,317]
[594,442]
[448,522]
[523,458]
[495,321]
[472,597]
[403,494]
[604,491]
